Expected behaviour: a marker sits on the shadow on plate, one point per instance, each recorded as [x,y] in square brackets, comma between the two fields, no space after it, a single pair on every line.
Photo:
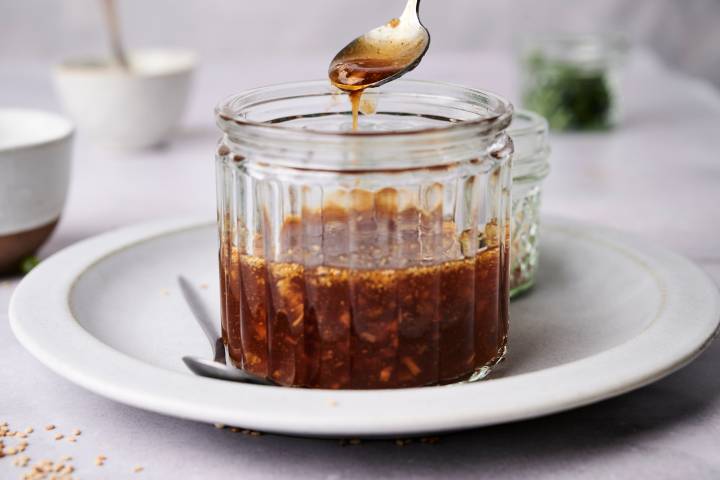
[609,430]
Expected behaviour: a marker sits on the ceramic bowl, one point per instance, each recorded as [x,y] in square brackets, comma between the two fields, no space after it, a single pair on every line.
[35,154]
[135,108]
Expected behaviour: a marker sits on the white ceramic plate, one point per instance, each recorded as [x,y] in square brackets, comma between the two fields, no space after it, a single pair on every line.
[610,314]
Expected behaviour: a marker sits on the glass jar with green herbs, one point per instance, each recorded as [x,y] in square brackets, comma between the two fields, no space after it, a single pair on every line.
[572,80]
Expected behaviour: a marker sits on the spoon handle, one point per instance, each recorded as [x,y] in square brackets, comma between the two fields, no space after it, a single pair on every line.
[114,27]
[412,8]
[203,318]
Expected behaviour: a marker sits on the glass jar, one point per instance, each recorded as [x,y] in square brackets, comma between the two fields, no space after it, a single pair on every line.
[572,79]
[376,259]
[529,132]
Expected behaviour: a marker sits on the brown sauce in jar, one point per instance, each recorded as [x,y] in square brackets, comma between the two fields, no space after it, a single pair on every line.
[327,322]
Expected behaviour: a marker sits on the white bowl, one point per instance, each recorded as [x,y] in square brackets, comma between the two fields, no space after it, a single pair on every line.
[135,108]
[35,153]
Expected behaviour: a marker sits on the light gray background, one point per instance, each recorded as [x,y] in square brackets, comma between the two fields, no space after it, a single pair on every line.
[686,33]
[656,176]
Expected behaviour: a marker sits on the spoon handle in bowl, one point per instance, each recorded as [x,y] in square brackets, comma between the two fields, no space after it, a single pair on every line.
[115,38]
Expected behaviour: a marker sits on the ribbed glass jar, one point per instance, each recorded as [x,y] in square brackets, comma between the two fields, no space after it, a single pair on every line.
[531,166]
[376,259]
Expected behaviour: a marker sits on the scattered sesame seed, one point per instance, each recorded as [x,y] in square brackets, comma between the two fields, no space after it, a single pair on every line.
[219,425]
[29,430]
[138,469]
[204,286]
[72,439]
[59,436]
[76,432]
[430,440]
[21,461]
[66,458]
[50,427]
[332,403]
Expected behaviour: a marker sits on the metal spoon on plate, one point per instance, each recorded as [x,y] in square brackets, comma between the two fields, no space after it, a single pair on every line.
[217,367]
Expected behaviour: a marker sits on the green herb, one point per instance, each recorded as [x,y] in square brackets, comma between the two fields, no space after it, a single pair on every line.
[29,263]
[571,98]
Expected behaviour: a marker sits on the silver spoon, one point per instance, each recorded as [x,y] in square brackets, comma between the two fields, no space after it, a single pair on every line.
[116,44]
[383,54]
[216,368]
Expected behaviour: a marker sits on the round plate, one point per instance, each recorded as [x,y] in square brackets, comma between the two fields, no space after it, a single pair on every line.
[609,315]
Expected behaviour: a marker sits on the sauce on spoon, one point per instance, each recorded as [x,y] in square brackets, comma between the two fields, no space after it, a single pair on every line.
[380,56]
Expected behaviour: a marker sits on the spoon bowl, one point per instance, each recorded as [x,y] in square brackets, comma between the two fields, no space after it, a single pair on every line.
[382,54]
[213,369]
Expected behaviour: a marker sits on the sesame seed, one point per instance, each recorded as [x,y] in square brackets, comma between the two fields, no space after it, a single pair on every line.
[59,436]
[430,440]
[76,432]
[219,425]
[50,427]
[29,430]
[138,469]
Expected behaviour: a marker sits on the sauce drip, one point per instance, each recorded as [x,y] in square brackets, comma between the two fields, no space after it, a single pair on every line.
[357,75]
[355,99]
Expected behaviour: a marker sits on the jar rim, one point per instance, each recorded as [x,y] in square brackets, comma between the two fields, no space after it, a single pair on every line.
[462,124]
[592,51]
[231,108]
[530,134]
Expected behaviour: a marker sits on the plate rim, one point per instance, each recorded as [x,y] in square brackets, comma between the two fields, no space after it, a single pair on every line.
[334,413]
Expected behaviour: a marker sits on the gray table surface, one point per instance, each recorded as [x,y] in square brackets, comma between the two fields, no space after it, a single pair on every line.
[658,176]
